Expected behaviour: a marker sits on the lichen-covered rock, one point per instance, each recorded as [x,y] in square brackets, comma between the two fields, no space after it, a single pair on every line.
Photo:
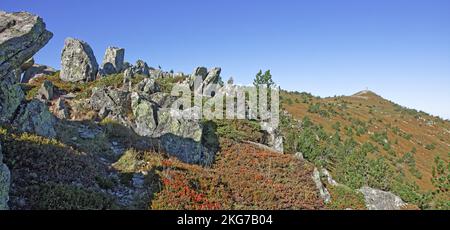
[5,177]
[35,117]
[162,100]
[45,92]
[35,71]
[148,86]
[272,137]
[323,192]
[78,63]
[381,200]
[21,36]
[145,117]
[111,101]
[11,96]
[113,60]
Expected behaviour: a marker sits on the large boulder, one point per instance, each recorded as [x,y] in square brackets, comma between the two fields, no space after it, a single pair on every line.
[21,36]
[272,136]
[37,70]
[78,63]
[5,177]
[381,200]
[35,117]
[145,117]
[113,60]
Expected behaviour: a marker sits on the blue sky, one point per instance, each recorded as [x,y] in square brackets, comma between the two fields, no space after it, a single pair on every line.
[398,48]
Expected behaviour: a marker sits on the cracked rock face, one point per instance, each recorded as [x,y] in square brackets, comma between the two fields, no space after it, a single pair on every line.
[21,36]
[78,63]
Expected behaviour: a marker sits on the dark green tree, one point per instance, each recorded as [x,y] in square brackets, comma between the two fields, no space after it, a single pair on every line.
[263,79]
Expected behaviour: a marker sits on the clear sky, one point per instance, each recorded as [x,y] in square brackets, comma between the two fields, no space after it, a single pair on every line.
[398,48]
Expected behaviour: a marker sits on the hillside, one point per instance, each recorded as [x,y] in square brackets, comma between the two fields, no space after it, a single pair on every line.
[410,141]
[125,136]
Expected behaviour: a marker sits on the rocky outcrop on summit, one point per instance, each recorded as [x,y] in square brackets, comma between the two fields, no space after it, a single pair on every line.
[141,68]
[381,200]
[113,60]
[5,177]
[78,63]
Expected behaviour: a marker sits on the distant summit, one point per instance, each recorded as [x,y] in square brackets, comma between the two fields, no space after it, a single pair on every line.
[365,94]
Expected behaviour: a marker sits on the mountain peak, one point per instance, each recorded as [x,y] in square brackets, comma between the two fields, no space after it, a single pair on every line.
[365,94]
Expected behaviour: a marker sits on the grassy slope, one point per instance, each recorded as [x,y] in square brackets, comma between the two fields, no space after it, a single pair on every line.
[408,131]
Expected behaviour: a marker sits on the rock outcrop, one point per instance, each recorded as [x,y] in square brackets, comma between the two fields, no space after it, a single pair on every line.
[22,35]
[45,93]
[111,102]
[113,60]
[35,71]
[141,68]
[78,63]
[189,140]
[35,117]
[381,200]
[145,117]
[323,192]
[5,177]
[272,137]
[205,83]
